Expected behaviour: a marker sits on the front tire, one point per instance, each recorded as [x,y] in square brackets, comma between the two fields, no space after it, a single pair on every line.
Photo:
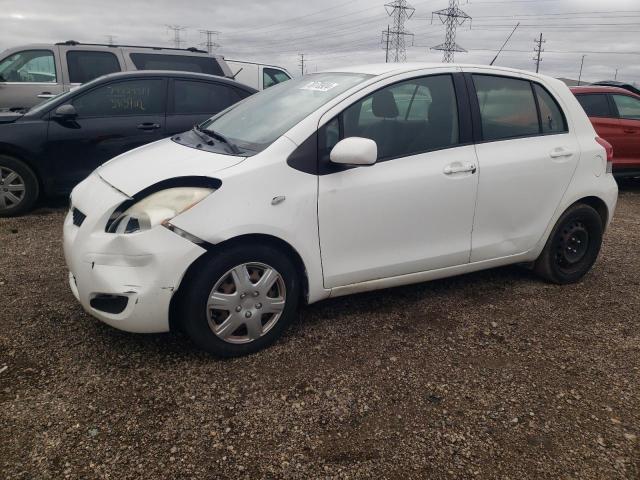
[19,188]
[572,247]
[241,300]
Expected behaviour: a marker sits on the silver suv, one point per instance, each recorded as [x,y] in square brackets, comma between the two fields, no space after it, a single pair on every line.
[30,74]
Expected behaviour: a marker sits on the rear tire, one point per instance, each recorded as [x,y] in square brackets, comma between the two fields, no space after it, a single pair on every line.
[241,300]
[19,188]
[572,247]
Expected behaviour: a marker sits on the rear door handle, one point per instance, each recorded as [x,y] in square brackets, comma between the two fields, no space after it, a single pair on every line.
[629,130]
[149,126]
[46,95]
[560,153]
[452,169]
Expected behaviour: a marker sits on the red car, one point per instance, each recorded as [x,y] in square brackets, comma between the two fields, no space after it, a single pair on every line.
[615,114]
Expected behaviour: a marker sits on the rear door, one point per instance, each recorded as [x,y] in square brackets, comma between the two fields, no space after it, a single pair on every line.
[193,101]
[526,159]
[112,118]
[628,109]
[28,77]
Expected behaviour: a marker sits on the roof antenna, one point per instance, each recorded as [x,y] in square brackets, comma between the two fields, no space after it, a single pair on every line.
[505,43]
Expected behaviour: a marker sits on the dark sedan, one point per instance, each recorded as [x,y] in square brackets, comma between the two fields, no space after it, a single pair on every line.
[50,148]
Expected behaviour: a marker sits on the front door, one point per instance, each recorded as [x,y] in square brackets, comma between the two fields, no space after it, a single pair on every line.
[112,119]
[627,150]
[413,210]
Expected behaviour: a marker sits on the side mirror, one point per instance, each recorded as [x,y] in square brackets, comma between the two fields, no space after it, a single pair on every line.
[65,112]
[355,151]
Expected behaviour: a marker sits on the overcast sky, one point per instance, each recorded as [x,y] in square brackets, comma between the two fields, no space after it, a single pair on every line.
[333,32]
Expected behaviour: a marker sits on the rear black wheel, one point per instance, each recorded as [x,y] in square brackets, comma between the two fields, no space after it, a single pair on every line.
[572,247]
[19,187]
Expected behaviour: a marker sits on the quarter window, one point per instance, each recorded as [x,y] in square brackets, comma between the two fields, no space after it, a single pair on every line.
[551,117]
[184,63]
[628,107]
[202,97]
[132,97]
[406,118]
[595,104]
[87,65]
[507,107]
[29,66]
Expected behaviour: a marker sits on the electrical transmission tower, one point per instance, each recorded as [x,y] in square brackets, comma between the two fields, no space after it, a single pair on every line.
[538,51]
[210,43]
[176,29]
[394,38]
[301,62]
[452,17]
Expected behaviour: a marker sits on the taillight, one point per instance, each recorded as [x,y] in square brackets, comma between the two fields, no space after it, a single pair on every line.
[609,149]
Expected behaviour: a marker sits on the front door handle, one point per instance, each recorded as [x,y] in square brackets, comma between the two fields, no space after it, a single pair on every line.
[149,126]
[560,153]
[46,95]
[629,130]
[453,168]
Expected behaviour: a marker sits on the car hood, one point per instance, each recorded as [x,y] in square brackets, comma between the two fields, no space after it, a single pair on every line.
[138,169]
[7,116]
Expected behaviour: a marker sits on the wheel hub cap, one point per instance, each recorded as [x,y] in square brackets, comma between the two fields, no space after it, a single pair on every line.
[12,188]
[246,302]
[573,245]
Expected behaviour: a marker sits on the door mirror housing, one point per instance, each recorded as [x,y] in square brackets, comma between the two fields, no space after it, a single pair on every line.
[355,151]
[65,112]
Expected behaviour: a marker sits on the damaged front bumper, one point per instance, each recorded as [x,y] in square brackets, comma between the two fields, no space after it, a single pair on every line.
[124,280]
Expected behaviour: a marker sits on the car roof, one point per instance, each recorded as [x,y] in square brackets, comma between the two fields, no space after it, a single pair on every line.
[396,68]
[602,89]
[176,74]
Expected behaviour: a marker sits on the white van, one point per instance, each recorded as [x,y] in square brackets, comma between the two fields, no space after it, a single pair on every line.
[257,75]
[30,74]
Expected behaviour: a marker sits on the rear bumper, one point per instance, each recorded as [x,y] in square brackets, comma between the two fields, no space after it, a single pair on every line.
[145,268]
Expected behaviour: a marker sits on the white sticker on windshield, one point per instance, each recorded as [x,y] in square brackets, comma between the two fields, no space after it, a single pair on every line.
[319,86]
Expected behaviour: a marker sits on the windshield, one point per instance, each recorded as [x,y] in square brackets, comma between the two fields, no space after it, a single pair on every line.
[262,118]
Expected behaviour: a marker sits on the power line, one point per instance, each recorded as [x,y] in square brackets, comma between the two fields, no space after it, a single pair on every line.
[401,11]
[538,50]
[176,29]
[452,17]
[209,42]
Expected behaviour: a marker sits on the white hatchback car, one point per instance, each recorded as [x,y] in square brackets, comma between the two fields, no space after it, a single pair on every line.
[335,183]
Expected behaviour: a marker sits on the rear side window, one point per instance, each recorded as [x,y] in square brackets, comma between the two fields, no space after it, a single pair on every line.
[272,76]
[29,66]
[130,97]
[595,104]
[628,107]
[551,117]
[184,63]
[507,107]
[87,65]
[202,97]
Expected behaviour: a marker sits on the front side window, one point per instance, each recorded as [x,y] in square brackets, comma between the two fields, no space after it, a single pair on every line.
[507,107]
[551,116]
[87,65]
[595,104]
[131,97]
[262,118]
[29,66]
[406,118]
[628,107]
[182,63]
[273,76]
[191,97]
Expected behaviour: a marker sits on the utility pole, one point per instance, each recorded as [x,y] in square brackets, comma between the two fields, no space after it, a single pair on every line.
[385,40]
[111,39]
[452,17]
[538,50]
[401,11]
[580,75]
[209,43]
[176,29]
[616,76]
[301,62]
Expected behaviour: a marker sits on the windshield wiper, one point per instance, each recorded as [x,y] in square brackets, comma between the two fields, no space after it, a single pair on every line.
[218,136]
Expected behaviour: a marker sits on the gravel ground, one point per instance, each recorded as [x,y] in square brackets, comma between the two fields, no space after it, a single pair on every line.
[489,375]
